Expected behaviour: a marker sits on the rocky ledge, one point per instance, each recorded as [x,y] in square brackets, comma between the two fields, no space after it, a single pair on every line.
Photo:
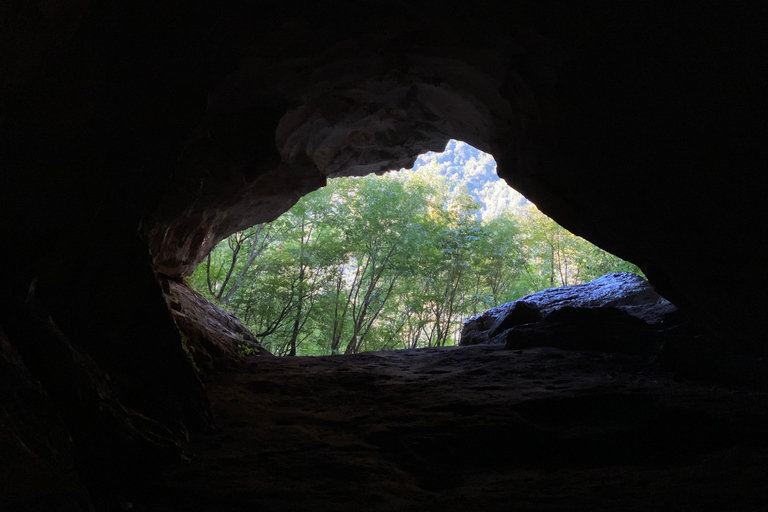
[470,428]
[213,338]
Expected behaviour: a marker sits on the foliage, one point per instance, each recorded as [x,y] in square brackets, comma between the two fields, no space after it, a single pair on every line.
[397,261]
[246,350]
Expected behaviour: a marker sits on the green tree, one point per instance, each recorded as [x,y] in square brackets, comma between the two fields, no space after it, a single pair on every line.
[381,233]
[400,260]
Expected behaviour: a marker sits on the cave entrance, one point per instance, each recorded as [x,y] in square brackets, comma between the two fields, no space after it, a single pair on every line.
[400,260]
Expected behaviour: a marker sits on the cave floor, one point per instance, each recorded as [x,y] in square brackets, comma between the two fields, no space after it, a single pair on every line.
[471,428]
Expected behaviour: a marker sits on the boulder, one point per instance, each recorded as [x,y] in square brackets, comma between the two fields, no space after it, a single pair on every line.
[605,329]
[600,309]
[520,313]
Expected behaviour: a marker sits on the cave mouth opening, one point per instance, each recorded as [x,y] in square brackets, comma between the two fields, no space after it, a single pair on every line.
[395,261]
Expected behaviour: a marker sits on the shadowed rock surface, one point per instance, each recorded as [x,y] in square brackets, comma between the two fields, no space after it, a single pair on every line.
[604,329]
[627,302]
[33,441]
[213,337]
[471,428]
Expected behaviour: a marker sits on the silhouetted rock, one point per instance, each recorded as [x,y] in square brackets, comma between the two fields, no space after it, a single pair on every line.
[589,315]
[607,329]
[520,313]
[484,327]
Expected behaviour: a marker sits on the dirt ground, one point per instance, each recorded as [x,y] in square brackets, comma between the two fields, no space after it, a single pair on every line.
[475,428]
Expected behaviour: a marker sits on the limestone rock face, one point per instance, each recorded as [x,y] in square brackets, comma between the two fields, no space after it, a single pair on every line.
[622,291]
[214,338]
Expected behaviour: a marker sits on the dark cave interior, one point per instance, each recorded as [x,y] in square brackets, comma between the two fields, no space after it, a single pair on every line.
[133,138]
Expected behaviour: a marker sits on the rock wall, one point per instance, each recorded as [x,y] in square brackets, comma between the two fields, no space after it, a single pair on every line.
[213,338]
[33,441]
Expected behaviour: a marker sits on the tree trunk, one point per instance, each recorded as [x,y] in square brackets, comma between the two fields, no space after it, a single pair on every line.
[256,249]
[552,266]
[296,325]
